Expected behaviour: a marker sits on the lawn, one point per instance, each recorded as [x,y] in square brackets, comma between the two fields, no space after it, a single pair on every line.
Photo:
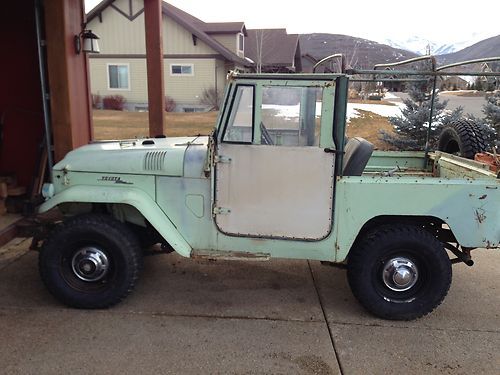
[110,124]
[122,125]
[368,125]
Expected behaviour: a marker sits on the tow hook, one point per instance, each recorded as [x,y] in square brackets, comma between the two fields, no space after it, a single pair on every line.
[461,256]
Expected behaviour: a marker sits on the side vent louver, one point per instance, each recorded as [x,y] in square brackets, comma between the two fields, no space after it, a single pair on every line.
[154,160]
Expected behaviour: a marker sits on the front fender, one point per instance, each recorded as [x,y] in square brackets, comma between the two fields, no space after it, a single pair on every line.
[131,196]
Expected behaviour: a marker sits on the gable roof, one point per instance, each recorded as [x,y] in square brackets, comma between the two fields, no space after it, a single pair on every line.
[195,26]
[225,28]
[278,48]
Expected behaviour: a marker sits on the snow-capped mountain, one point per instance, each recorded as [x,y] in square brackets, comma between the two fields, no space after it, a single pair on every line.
[421,45]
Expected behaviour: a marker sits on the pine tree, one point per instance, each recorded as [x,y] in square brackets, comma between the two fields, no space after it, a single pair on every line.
[491,112]
[478,84]
[411,126]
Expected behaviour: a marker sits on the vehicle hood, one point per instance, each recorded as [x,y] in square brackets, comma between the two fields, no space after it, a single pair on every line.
[158,156]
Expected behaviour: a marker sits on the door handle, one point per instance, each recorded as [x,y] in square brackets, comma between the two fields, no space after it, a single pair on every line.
[330,150]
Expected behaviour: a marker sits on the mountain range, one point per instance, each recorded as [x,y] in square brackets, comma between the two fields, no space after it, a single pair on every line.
[485,48]
[421,45]
[363,53]
[360,53]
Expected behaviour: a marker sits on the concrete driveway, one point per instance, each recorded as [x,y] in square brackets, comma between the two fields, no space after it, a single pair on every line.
[279,317]
[471,104]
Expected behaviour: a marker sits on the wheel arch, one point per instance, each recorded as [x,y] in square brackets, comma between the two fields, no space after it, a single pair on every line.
[432,224]
[125,204]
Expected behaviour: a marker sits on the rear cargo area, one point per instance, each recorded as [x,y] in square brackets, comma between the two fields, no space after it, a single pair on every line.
[437,165]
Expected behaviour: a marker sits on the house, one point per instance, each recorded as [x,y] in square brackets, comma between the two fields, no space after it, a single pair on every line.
[273,50]
[197,54]
[454,83]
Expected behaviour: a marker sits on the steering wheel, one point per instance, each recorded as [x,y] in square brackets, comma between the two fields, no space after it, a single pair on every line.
[265,137]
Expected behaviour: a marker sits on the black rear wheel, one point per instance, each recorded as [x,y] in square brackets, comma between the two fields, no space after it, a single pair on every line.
[400,272]
[90,261]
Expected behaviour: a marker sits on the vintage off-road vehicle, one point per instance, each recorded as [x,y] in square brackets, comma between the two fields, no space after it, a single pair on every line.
[276,178]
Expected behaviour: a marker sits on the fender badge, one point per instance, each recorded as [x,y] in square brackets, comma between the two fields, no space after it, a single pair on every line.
[116,180]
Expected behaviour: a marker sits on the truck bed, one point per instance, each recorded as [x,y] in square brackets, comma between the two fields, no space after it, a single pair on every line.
[413,163]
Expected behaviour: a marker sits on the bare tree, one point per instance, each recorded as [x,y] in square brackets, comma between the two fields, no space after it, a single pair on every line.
[211,98]
[262,38]
[259,40]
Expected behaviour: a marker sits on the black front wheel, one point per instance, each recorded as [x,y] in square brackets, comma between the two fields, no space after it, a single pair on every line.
[399,272]
[90,261]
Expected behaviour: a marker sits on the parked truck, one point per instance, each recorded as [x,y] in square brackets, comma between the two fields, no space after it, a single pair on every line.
[277,178]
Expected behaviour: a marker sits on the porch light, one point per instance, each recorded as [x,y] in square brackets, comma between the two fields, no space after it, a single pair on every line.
[86,41]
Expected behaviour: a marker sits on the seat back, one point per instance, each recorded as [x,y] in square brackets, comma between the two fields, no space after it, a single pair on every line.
[357,152]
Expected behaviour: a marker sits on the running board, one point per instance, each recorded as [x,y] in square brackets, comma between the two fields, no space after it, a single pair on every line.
[229,255]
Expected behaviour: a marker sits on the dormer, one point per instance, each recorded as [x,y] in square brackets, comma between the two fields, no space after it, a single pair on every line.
[230,34]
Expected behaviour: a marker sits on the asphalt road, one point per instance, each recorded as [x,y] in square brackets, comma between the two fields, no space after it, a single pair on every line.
[472,105]
[276,317]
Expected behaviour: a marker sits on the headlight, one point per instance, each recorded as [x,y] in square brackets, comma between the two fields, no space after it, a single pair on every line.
[48,190]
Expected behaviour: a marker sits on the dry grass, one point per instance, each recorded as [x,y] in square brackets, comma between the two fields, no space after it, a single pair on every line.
[122,125]
[368,126]
[466,93]
[380,102]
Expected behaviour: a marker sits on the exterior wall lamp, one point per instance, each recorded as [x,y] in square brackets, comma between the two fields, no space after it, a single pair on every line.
[86,41]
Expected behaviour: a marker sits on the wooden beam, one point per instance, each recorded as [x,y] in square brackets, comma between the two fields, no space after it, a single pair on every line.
[154,63]
[70,103]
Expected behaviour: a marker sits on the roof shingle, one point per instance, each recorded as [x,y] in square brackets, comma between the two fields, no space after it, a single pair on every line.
[276,46]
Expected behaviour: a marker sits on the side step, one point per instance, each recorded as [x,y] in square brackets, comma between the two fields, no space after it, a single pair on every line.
[229,255]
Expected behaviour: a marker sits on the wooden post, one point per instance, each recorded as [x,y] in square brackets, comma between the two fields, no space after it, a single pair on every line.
[154,63]
[68,77]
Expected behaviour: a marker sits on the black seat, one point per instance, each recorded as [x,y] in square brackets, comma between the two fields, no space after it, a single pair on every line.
[357,152]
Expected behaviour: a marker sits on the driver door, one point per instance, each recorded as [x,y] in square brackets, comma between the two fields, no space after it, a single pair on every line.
[273,179]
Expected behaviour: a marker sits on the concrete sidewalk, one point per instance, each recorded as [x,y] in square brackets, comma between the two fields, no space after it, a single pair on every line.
[285,317]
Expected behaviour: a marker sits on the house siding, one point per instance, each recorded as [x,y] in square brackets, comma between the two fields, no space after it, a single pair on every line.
[177,40]
[138,87]
[222,70]
[137,5]
[185,90]
[228,41]
[122,36]
[123,42]
[117,34]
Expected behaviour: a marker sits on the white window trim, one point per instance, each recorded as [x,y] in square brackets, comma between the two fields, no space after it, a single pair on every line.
[182,74]
[238,47]
[128,76]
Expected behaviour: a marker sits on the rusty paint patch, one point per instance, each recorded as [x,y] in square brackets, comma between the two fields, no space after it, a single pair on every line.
[229,255]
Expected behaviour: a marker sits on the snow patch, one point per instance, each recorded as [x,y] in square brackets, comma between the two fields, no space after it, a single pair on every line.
[379,109]
[293,111]
[289,111]
[390,95]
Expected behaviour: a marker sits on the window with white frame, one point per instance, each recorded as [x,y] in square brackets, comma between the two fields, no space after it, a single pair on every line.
[241,42]
[181,69]
[118,77]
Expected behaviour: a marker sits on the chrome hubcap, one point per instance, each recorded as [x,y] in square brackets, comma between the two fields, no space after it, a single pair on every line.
[90,264]
[399,274]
